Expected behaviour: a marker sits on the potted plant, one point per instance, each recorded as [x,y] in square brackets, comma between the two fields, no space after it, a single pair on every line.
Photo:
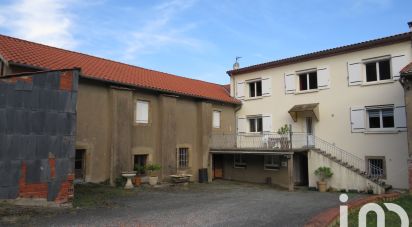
[152,170]
[284,140]
[323,173]
[139,172]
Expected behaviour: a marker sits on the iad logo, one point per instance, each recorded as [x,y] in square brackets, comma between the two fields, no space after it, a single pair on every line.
[372,207]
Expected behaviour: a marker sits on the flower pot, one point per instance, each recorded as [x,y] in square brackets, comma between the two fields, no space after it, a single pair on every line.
[322,186]
[153,180]
[137,180]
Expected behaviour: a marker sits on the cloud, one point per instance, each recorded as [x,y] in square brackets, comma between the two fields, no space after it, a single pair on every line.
[160,32]
[44,21]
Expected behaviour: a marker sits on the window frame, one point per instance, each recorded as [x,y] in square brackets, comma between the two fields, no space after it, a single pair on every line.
[380,109]
[240,163]
[377,68]
[271,165]
[307,76]
[220,119]
[148,112]
[383,158]
[255,82]
[186,159]
[256,118]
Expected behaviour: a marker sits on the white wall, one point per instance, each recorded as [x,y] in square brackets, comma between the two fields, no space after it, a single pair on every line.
[334,109]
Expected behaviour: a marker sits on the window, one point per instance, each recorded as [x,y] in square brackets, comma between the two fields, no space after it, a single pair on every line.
[139,162]
[255,124]
[183,157]
[216,119]
[381,118]
[308,81]
[376,166]
[272,162]
[142,112]
[79,164]
[255,88]
[239,161]
[376,71]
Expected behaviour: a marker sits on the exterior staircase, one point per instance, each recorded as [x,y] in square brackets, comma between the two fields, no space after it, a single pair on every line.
[349,161]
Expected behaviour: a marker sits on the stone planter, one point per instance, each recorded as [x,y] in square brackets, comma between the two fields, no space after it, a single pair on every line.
[322,186]
[153,180]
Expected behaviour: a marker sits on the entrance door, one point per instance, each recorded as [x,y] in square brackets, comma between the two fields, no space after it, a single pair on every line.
[217,166]
[139,162]
[80,164]
[310,132]
[300,167]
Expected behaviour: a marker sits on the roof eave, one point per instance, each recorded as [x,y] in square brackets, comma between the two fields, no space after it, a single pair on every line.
[398,38]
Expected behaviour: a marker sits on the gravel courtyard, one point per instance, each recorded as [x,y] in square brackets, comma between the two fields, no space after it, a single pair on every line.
[221,203]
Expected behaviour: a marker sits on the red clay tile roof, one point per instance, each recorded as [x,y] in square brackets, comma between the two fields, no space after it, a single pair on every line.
[17,51]
[407,36]
[227,87]
[407,69]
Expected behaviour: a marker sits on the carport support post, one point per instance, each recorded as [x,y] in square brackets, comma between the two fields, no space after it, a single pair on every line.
[210,168]
[290,173]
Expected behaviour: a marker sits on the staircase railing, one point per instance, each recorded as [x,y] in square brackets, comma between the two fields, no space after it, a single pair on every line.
[340,155]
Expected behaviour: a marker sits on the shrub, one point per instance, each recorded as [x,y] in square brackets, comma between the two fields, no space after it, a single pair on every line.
[324,173]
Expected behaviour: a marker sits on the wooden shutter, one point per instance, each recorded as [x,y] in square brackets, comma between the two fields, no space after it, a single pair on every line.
[142,112]
[290,83]
[323,77]
[240,90]
[216,119]
[267,86]
[397,64]
[267,122]
[355,73]
[241,124]
[357,118]
[400,118]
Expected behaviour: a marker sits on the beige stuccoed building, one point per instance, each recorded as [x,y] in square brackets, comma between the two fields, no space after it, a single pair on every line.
[346,110]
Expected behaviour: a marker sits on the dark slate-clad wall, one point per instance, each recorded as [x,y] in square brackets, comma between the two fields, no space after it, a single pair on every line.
[37,135]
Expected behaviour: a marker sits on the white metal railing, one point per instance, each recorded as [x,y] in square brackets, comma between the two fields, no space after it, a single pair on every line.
[295,140]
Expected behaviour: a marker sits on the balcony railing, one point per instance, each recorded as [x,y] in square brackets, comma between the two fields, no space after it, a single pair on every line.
[261,141]
[295,140]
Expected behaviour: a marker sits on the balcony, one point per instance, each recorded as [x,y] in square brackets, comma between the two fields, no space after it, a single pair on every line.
[262,141]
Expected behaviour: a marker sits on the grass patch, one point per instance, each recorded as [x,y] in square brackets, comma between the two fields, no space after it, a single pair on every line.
[98,195]
[391,218]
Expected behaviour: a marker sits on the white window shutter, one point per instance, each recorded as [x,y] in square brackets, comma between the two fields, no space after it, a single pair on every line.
[267,122]
[397,63]
[267,86]
[216,119]
[142,112]
[355,73]
[241,124]
[323,77]
[240,90]
[357,118]
[290,83]
[400,118]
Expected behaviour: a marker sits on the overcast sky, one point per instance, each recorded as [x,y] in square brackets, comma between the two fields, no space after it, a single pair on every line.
[200,39]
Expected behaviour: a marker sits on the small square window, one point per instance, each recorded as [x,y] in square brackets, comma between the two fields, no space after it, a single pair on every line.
[376,166]
[308,81]
[377,71]
[255,88]
[381,118]
[142,112]
[272,162]
[255,124]
[238,161]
